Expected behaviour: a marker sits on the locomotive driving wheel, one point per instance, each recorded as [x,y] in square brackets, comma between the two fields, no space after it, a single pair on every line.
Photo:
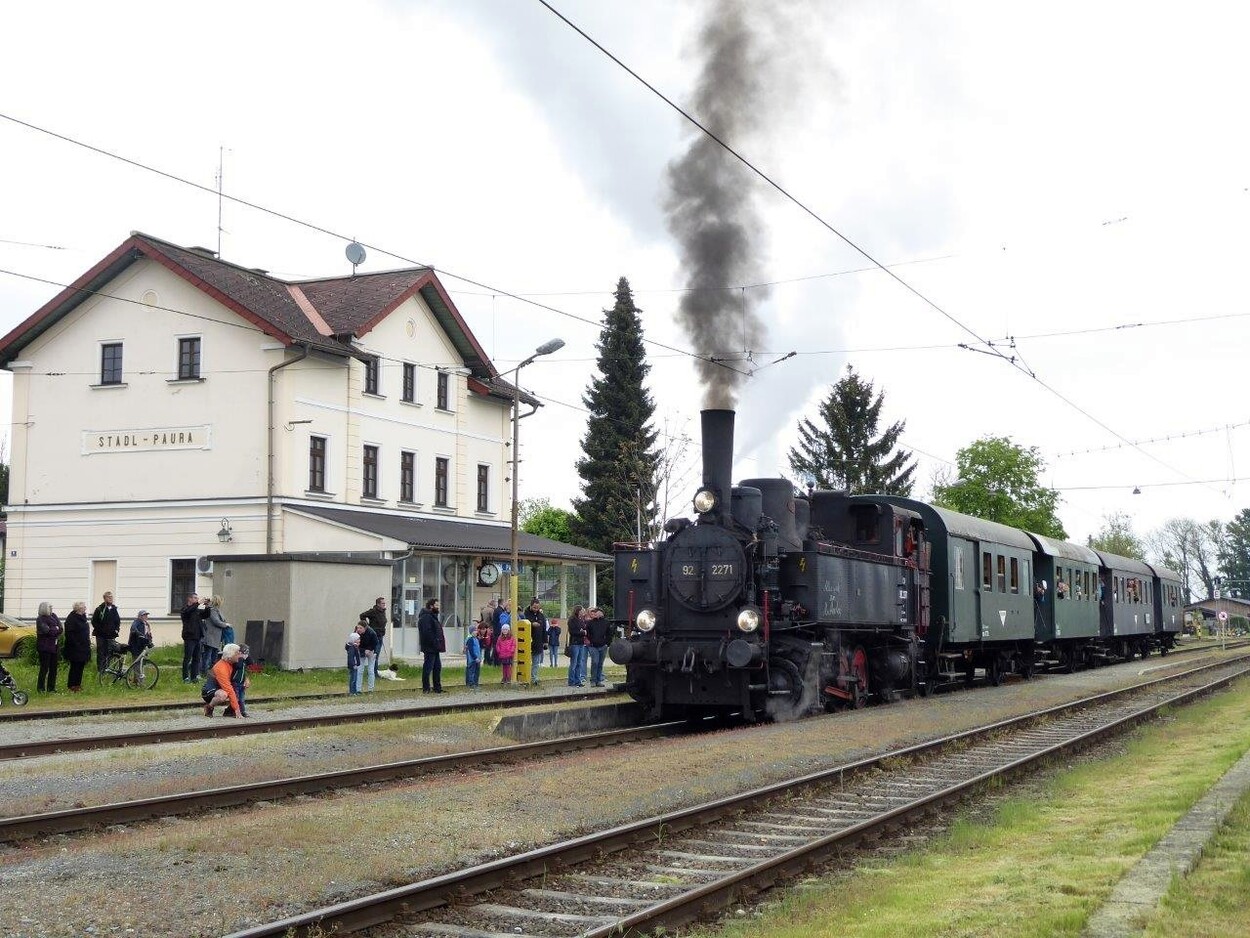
[859,670]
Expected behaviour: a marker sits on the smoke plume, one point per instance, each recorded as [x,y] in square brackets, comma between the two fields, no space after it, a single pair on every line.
[710,207]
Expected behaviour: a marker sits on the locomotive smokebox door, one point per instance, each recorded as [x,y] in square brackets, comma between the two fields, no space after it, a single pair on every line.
[635,581]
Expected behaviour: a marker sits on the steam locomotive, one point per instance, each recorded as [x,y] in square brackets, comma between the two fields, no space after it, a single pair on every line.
[778,605]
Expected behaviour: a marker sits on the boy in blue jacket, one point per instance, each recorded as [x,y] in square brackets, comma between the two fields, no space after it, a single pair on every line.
[353,663]
[472,659]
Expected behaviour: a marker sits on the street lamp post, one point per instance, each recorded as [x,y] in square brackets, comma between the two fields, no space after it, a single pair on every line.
[545,349]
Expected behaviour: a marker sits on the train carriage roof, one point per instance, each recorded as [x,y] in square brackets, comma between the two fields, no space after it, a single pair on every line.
[952,523]
[1126,564]
[1166,573]
[1065,549]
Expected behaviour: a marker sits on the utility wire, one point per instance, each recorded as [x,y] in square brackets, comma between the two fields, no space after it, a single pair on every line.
[312,226]
[989,349]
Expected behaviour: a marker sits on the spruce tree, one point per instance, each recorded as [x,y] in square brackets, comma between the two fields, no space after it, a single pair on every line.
[618,466]
[844,450]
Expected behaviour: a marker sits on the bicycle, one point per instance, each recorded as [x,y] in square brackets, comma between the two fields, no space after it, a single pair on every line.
[139,673]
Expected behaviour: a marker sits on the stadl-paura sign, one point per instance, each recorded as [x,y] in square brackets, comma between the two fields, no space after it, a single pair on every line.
[146,440]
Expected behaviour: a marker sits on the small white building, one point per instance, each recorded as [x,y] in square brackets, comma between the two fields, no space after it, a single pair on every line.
[170,407]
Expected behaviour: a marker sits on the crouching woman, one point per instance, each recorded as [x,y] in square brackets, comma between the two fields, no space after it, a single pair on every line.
[219,688]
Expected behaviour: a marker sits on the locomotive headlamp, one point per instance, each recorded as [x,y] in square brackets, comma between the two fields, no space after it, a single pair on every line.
[704,501]
[748,620]
[645,620]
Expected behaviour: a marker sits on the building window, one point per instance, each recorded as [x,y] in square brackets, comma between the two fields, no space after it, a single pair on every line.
[181,583]
[440,481]
[188,359]
[407,476]
[111,363]
[317,464]
[483,488]
[442,391]
[369,487]
[410,382]
[371,376]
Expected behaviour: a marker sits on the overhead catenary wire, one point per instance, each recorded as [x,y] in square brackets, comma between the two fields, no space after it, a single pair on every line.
[312,226]
[990,349]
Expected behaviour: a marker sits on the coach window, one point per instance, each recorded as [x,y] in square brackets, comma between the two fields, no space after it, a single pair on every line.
[987,571]
[1015,575]
[1117,589]
[959,569]
[1002,573]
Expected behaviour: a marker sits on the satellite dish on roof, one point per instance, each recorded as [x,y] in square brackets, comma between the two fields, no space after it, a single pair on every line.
[355,255]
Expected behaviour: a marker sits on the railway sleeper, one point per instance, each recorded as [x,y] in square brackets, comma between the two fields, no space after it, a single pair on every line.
[559,896]
[492,910]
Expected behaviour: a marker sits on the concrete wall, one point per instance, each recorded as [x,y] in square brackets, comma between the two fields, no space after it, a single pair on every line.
[320,602]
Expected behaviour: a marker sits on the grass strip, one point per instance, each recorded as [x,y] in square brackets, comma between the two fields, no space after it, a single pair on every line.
[1212,899]
[1034,864]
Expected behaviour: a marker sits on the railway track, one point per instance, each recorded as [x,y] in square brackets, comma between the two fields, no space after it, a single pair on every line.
[218,729]
[672,869]
[142,809]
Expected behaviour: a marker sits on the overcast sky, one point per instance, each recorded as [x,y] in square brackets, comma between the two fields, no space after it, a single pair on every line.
[1038,171]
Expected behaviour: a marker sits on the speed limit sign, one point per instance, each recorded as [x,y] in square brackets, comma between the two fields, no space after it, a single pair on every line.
[1222,615]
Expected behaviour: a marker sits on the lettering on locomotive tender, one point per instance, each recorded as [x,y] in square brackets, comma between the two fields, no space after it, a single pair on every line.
[148,440]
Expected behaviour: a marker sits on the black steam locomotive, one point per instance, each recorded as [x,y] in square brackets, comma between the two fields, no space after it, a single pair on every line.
[772,604]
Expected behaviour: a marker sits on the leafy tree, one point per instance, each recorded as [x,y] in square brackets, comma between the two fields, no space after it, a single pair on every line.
[618,468]
[1235,557]
[1193,550]
[1116,537]
[844,451]
[998,480]
[538,516]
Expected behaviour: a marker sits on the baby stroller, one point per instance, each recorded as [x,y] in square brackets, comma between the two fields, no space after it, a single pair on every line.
[18,697]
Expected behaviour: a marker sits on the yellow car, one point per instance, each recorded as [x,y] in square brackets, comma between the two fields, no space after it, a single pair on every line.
[15,636]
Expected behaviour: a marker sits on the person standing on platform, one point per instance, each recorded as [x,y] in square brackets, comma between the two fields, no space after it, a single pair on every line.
[353,663]
[598,635]
[577,648]
[77,645]
[376,615]
[106,625]
[538,638]
[505,651]
[433,644]
[192,630]
[553,642]
[368,650]
[473,658]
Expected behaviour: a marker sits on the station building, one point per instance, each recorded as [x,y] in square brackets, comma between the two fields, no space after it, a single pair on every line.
[178,420]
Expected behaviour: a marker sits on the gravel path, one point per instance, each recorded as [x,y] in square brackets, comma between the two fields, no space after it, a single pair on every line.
[214,874]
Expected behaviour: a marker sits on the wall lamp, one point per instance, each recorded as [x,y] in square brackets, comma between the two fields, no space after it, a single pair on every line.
[226,534]
[291,424]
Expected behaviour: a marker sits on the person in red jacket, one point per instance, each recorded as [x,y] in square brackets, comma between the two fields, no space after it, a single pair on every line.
[219,688]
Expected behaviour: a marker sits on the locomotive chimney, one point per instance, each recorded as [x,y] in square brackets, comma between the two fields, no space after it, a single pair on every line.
[718,456]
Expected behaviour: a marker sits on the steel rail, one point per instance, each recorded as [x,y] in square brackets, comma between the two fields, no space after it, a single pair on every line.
[76,819]
[219,729]
[456,886]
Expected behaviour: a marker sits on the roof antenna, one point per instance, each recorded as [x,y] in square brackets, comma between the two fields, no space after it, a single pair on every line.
[221,173]
[355,255]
